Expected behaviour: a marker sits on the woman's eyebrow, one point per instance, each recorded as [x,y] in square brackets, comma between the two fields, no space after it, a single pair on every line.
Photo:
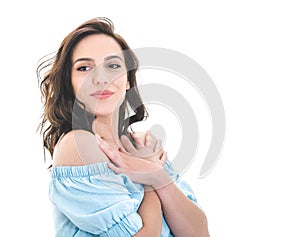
[92,60]
[112,56]
[84,59]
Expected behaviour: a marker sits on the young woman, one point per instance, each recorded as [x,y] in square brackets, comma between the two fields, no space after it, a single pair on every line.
[106,181]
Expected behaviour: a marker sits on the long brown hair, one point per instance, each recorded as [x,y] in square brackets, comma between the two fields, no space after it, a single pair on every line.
[62,112]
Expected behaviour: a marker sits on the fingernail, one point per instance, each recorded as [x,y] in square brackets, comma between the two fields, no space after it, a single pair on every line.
[123,137]
[102,145]
[133,134]
[98,138]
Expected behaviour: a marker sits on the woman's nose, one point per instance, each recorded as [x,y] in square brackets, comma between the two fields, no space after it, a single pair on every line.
[99,77]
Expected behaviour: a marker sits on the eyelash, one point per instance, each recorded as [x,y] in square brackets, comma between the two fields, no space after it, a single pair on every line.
[112,66]
[84,68]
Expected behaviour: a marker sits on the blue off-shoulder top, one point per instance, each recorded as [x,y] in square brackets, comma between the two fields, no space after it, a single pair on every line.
[92,200]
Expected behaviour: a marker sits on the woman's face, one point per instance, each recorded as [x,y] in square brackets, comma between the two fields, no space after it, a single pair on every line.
[99,75]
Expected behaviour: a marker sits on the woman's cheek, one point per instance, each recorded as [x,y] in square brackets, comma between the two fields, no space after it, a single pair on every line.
[78,84]
[121,82]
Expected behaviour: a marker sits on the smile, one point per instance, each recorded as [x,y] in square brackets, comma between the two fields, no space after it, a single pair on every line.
[102,94]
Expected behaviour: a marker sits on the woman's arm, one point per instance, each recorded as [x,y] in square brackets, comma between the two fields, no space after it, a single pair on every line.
[151,214]
[182,215]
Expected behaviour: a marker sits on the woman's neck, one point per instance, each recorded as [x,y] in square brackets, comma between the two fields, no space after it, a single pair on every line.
[107,128]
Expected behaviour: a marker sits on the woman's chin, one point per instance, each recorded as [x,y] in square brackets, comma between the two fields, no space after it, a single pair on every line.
[104,112]
[104,108]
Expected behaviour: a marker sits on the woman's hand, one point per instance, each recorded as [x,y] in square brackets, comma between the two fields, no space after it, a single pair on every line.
[139,170]
[147,146]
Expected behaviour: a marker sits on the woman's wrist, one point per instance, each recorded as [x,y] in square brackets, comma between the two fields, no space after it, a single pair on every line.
[160,179]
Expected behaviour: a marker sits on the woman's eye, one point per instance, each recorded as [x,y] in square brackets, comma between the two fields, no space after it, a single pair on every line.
[114,66]
[84,68]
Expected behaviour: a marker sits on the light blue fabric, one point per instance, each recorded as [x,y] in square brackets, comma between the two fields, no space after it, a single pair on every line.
[92,200]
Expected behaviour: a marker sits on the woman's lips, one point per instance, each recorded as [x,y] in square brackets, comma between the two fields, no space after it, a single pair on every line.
[102,94]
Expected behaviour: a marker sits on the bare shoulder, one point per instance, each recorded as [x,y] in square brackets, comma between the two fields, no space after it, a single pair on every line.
[76,148]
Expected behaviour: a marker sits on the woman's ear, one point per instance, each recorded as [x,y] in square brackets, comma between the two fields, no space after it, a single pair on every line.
[127,85]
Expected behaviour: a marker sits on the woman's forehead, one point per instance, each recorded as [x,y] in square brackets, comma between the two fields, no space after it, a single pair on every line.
[98,47]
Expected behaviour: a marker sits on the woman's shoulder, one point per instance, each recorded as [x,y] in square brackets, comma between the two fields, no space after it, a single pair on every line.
[77,148]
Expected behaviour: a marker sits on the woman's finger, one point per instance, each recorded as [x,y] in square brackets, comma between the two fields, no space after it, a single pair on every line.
[158,146]
[154,142]
[122,150]
[111,154]
[98,138]
[114,168]
[139,142]
[164,158]
[127,144]
[148,140]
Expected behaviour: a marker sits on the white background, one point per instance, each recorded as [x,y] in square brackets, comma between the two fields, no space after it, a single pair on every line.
[251,51]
